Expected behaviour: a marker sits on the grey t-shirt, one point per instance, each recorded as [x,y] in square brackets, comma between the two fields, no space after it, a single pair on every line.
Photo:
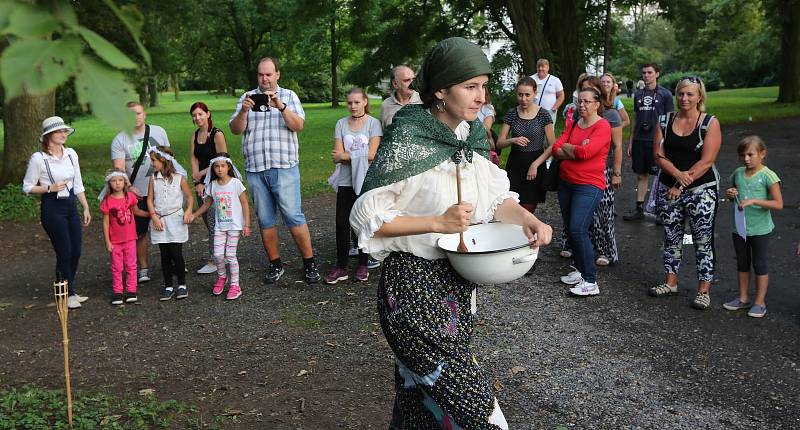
[357,144]
[129,147]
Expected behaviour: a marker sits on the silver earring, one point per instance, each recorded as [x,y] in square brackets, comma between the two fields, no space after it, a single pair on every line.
[440,107]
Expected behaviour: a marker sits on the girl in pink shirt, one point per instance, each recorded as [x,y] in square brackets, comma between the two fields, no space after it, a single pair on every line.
[119,230]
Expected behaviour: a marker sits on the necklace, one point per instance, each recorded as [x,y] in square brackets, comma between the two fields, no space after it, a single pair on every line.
[358,117]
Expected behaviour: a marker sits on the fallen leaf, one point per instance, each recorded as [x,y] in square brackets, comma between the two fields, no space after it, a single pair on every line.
[498,386]
[517,369]
[147,391]
[303,372]
[323,303]
[331,344]
[232,412]
[29,306]
[243,372]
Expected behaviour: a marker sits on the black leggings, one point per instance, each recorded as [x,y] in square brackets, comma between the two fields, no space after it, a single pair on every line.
[345,199]
[172,263]
[753,250]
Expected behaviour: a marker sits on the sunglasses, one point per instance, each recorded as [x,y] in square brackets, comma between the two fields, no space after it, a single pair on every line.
[692,79]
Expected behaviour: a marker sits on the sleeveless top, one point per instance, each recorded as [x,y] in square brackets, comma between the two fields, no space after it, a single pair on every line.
[203,151]
[682,151]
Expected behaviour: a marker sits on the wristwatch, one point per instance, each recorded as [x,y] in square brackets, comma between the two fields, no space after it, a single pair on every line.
[283,108]
[616,174]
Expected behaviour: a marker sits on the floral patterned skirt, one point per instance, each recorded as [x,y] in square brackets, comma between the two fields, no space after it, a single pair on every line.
[426,315]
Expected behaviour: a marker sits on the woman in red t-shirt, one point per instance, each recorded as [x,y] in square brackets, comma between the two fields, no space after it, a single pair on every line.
[583,149]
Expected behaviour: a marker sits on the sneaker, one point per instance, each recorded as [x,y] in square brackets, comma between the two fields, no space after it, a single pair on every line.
[736,304]
[565,254]
[273,274]
[183,292]
[116,299]
[602,261]
[701,301]
[585,289]
[335,275]
[233,292]
[166,294]
[219,286]
[312,274]
[73,302]
[663,290]
[353,252]
[373,263]
[634,215]
[131,298]
[572,278]
[757,311]
[81,298]
[362,274]
[144,275]
[209,267]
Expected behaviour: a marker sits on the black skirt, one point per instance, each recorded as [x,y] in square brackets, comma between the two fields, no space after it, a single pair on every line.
[517,168]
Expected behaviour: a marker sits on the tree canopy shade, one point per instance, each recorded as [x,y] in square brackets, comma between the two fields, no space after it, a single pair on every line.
[47,46]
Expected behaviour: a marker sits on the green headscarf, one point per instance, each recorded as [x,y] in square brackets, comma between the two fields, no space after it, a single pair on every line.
[450,62]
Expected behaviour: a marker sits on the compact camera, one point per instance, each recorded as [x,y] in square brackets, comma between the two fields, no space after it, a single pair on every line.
[261,102]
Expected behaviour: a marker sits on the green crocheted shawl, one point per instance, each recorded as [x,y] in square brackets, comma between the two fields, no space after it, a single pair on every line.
[416,142]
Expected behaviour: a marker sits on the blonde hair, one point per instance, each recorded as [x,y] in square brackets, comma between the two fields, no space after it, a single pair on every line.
[701,89]
[749,141]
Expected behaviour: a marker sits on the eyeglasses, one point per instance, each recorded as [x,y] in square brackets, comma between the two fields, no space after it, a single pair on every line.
[692,79]
[585,102]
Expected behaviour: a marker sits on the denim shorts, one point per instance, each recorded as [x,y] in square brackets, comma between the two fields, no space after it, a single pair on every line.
[275,189]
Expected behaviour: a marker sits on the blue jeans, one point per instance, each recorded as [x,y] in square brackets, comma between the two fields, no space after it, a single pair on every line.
[578,203]
[62,223]
[273,190]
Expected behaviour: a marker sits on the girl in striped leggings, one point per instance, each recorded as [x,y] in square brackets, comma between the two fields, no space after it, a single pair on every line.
[225,191]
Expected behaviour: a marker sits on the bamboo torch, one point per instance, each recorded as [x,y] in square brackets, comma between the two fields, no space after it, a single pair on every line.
[60,291]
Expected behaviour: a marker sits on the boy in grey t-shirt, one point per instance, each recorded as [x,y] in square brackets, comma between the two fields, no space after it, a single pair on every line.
[125,150]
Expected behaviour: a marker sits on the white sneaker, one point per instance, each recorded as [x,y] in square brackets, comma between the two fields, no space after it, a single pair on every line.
[565,254]
[208,268]
[585,289]
[572,278]
[144,275]
[81,298]
[602,261]
[73,302]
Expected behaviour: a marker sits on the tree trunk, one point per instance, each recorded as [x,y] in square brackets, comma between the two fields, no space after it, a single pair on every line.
[607,36]
[789,78]
[562,27]
[23,126]
[334,58]
[528,29]
[152,89]
[176,87]
[144,98]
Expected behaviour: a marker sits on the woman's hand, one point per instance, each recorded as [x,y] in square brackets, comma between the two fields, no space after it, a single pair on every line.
[616,181]
[455,220]
[532,171]
[520,141]
[745,203]
[673,193]
[537,232]
[87,216]
[684,178]
[339,156]
[246,231]
[567,151]
[157,222]
[58,186]
[731,193]
[199,188]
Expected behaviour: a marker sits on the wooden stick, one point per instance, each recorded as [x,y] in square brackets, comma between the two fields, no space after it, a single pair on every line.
[61,291]
[462,247]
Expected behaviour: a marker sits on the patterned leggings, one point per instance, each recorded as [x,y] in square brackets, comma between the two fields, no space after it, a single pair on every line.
[700,208]
[225,253]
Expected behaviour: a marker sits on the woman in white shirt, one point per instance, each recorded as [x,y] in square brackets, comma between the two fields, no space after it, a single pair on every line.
[54,173]
[407,203]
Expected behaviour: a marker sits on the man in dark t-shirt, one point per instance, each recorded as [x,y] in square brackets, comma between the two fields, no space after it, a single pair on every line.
[649,103]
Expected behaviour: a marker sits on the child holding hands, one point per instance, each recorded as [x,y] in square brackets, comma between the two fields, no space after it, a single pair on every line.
[168,191]
[226,193]
[756,191]
[119,205]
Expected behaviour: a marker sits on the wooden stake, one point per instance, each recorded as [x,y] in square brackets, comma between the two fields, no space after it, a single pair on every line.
[61,292]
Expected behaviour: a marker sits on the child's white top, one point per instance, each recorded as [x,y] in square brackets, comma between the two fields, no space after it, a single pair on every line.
[227,207]
[168,202]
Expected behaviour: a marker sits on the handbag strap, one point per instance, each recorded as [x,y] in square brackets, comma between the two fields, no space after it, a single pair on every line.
[544,87]
[145,146]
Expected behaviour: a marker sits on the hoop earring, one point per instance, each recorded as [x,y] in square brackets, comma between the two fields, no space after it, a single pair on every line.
[440,107]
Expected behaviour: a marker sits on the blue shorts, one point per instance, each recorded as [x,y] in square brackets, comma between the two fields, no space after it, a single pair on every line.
[275,189]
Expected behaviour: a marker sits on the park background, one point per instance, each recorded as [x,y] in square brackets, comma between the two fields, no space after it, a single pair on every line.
[171,54]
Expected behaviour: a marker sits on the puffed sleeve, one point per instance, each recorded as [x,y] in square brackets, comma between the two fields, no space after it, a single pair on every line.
[77,182]
[371,211]
[33,173]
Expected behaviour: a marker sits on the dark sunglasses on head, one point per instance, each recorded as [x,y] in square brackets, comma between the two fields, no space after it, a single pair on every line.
[692,79]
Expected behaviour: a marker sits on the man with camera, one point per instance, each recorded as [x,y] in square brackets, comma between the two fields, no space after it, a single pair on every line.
[269,118]
[649,103]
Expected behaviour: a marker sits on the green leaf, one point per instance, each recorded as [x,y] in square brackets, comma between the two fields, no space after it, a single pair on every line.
[106,92]
[105,50]
[6,7]
[65,13]
[133,20]
[37,66]
[30,21]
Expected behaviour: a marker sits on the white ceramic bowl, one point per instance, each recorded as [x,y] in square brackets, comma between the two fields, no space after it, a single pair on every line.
[497,253]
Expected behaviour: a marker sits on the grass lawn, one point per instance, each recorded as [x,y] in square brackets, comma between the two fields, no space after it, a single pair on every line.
[92,139]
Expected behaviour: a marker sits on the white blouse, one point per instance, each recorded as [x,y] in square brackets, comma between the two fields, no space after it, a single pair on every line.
[65,169]
[429,193]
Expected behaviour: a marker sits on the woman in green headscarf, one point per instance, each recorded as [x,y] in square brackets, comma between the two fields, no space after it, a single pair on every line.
[426,309]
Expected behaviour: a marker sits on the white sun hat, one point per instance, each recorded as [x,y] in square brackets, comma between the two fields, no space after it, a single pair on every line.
[54,123]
